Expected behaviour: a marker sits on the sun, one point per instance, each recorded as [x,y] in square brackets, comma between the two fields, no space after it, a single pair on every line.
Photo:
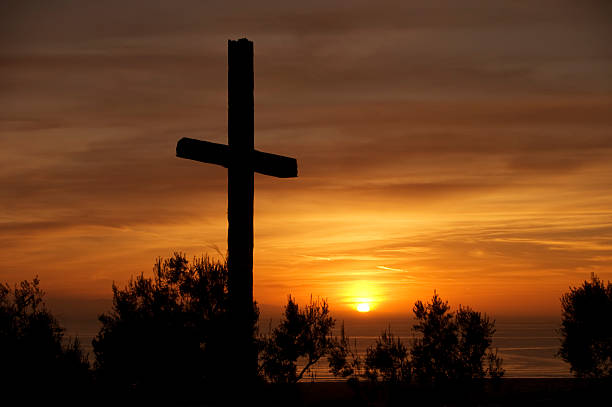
[363,307]
[362,296]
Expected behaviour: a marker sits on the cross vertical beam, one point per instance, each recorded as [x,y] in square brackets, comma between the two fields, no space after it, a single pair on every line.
[240,125]
[241,161]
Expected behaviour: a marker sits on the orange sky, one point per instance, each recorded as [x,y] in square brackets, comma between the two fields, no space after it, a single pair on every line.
[457,146]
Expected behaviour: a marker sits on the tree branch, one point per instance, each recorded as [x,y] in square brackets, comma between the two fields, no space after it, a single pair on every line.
[310,363]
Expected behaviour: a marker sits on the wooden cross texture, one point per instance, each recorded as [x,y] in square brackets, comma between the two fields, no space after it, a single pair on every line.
[242,161]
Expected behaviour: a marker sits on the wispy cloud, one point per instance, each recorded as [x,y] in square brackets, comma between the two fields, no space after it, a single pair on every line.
[455,146]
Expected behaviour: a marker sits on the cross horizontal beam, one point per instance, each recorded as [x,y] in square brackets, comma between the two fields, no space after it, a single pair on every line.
[263,163]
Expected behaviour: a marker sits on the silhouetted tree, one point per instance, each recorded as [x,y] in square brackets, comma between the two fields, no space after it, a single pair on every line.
[586,329]
[451,346]
[448,347]
[303,336]
[475,335]
[343,358]
[36,360]
[388,360]
[167,333]
[495,369]
[434,353]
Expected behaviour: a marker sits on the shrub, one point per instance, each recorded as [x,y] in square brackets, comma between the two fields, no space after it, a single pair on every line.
[586,329]
[343,358]
[167,333]
[387,360]
[37,360]
[434,352]
[303,336]
[475,335]
[494,363]
[449,346]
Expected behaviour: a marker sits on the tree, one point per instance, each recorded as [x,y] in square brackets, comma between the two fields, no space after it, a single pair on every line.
[343,358]
[475,335]
[434,352]
[448,347]
[387,360]
[586,329]
[35,355]
[167,333]
[452,346]
[494,362]
[303,336]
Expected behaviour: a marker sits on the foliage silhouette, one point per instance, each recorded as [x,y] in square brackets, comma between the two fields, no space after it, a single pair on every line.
[586,329]
[434,353]
[343,359]
[303,335]
[167,332]
[452,347]
[33,350]
[475,333]
[449,347]
[388,360]
[495,369]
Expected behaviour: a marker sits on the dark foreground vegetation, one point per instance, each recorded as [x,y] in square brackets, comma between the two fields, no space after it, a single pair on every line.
[164,342]
[508,392]
[36,361]
[586,329]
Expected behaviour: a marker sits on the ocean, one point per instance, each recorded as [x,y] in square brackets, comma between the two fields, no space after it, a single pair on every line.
[528,346]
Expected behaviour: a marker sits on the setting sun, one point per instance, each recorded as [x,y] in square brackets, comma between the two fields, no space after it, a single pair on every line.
[362,295]
[363,307]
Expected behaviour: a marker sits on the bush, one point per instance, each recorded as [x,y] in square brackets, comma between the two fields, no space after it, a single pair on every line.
[434,353]
[166,334]
[475,335]
[494,362]
[303,336]
[449,346]
[586,329]
[387,360]
[37,361]
[343,358]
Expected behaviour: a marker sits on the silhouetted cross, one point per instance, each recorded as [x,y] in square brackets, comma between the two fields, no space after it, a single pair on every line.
[241,161]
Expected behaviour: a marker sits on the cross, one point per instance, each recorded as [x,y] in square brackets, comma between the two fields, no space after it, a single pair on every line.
[242,161]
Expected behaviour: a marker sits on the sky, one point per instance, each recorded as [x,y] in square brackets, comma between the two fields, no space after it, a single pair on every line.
[462,147]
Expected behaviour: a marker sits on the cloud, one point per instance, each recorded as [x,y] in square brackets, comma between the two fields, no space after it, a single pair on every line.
[424,134]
